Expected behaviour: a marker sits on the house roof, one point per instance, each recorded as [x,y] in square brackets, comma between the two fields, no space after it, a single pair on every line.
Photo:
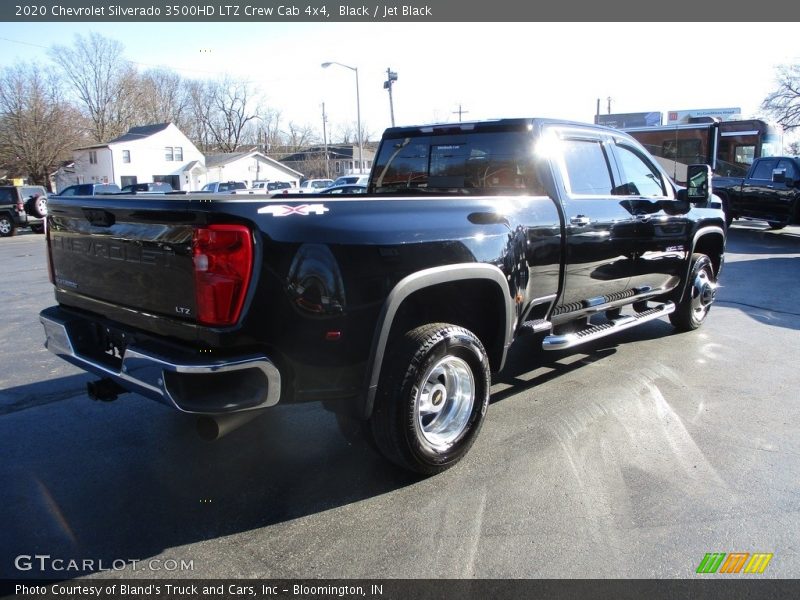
[335,152]
[134,134]
[137,133]
[220,160]
[192,165]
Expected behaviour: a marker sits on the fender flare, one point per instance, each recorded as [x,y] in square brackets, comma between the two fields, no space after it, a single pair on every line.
[414,283]
[703,231]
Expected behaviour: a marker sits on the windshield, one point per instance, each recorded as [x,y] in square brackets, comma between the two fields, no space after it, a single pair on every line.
[483,163]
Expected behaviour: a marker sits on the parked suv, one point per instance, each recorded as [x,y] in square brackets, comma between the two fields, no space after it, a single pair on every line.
[224,187]
[351,179]
[22,206]
[90,189]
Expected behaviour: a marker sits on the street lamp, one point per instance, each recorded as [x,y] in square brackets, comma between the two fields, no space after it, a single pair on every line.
[391,77]
[325,65]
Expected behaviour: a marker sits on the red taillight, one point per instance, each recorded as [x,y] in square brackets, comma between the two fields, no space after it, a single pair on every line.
[223,260]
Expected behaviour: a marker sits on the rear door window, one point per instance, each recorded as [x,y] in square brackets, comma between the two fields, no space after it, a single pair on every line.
[588,169]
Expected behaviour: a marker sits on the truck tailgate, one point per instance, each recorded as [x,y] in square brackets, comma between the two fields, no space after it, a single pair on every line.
[119,252]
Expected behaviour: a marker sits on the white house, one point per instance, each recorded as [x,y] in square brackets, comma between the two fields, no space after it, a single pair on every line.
[150,153]
[248,167]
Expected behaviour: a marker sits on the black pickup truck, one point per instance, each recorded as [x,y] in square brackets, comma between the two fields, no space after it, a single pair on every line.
[393,307]
[770,192]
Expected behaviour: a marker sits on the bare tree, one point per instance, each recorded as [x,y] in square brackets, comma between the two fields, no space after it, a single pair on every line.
[314,166]
[269,129]
[165,97]
[225,114]
[105,83]
[347,133]
[299,136]
[38,128]
[783,104]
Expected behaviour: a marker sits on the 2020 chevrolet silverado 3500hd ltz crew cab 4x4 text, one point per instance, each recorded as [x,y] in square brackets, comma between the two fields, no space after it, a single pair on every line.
[392,307]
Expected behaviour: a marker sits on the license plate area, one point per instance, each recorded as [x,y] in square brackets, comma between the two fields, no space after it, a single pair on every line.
[106,345]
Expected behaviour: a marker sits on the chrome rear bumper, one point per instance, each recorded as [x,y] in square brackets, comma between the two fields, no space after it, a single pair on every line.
[206,387]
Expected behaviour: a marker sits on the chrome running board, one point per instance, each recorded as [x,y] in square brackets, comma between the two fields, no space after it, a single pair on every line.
[559,342]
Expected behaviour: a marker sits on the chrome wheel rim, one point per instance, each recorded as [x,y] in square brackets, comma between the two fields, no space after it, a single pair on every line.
[444,402]
[5,226]
[704,291]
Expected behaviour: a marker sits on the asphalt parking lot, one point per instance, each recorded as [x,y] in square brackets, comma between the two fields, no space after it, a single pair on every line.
[632,457]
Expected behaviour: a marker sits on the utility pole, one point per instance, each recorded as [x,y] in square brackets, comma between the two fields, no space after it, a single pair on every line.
[391,77]
[609,105]
[460,112]
[325,142]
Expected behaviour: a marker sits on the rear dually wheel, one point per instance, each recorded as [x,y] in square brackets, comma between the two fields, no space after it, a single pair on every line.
[432,398]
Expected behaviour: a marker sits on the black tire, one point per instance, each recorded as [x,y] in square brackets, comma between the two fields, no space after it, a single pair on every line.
[36,206]
[699,295]
[775,225]
[7,226]
[432,397]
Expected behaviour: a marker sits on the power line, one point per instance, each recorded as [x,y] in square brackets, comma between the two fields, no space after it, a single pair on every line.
[459,112]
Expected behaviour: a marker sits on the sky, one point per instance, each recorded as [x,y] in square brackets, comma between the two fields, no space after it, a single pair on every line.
[490,70]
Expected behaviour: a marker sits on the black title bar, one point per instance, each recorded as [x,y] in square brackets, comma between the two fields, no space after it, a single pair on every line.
[290,11]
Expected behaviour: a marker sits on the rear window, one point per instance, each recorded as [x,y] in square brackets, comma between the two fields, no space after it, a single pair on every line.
[29,191]
[231,185]
[484,163]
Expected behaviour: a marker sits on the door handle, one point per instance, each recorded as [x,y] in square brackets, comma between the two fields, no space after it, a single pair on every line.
[580,220]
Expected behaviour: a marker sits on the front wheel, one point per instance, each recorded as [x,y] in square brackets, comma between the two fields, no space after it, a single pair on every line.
[432,398]
[698,297]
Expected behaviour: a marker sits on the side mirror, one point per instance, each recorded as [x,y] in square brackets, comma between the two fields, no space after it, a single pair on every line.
[698,183]
[779,176]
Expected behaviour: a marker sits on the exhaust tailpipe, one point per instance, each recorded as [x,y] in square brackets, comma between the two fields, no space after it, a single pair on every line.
[104,390]
[213,427]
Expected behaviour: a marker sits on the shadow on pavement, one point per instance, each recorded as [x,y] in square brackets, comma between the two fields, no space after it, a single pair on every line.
[752,238]
[84,480]
[776,302]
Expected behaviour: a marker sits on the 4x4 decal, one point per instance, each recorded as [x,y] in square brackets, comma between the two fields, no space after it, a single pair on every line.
[284,210]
